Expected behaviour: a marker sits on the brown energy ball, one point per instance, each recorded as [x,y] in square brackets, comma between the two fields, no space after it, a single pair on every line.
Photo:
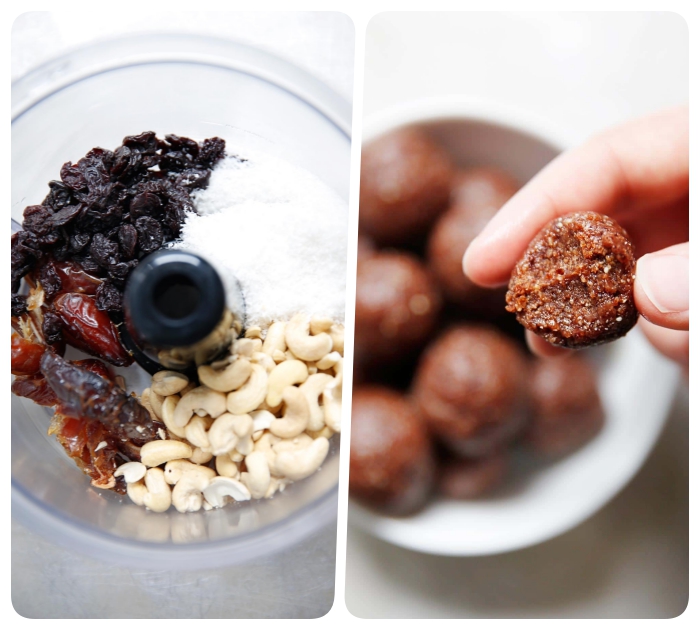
[567,411]
[396,306]
[574,284]
[391,459]
[477,195]
[472,478]
[404,184]
[470,386]
[365,247]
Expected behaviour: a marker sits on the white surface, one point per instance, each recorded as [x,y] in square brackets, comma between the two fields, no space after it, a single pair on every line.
[581,72]
[548,500]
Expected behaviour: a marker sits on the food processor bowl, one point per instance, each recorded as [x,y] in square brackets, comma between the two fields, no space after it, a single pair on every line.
[197,87]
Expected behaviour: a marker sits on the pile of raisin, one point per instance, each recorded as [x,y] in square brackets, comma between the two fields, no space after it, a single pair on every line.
[109,210]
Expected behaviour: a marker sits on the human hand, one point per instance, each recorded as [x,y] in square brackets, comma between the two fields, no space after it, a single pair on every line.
[638,174]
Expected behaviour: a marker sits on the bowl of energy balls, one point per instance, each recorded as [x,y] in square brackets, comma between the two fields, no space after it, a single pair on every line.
[462,441]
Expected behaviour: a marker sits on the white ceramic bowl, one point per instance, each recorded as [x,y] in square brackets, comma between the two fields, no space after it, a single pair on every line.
[541,500]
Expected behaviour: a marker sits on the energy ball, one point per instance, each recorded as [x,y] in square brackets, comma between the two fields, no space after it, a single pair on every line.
[472,478]
[471,388]
[404,184]
[567,411]
[574,284]
[365,247]
[391,459]
[477,195]
[396,306]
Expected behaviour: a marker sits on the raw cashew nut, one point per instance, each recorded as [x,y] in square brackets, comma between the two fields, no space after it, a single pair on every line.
[262,419]
[328,361]
[265,360]
[177,467]
[167,382]
[228,379]
[201,401]
[136,491]
[157,499]
[226,467]
[264,445]
[325,432]
[292,444]
[274,340]
[200,456]
[187,493]
[284,374]
[337,334]
[305,346]
[296,416]
[250,395]
[278,356]
[146,402]
[319,324]
[254,332]
[156,401]
[332,405]
[245,445]
[196,433]
[245,347]
[312,390]
[160,451]
[168,417]
[299,464]
[226,431]
[131,471]
[258,476]
[221,487]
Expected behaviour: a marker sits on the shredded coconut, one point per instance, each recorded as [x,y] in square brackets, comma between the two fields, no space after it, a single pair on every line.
[277,230]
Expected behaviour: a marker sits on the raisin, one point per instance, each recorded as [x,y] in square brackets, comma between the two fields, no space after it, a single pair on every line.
[52,328]
[108,298]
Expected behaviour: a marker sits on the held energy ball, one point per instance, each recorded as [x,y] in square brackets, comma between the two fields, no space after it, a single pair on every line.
[404,184]
[566,407]
[396,306]
[391,459]
[574,284]
[471,388]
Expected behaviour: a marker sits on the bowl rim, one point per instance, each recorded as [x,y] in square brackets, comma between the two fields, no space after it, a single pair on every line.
[451,108]
[104,55]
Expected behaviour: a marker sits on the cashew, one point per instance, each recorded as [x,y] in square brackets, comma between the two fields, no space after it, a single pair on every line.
[265,360]
[156,401]
[292,444]
[226,467]
[200,456]
[299,464]
[264,445]
[332,408]
[284,374]
[254,332]
[221,487]
[188,389]
[175,468]
[161,451]
[262,419]
[146,403]
[246,347]
[251,394]
[328,361]
[337,334]
[305,346]
[226,431]
[167,382]
[272,488]
[325,432]
[136,491]
[187,493]
[201,401]
[168,410]
[257,478]
[196,433]
[228,379]
[245,445]
[158,497]
[131,471]
[312,390]
[274,340]
[319,324]
[296,416]
[278,356]
[235,456]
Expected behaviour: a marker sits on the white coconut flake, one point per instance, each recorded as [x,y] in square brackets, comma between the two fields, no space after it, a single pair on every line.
[278,231]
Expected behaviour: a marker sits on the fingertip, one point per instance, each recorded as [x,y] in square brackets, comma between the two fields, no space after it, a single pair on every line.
[542,348]
[479,267]
[673,344]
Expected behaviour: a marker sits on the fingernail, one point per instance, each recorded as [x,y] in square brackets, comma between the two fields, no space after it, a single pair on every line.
[664,278]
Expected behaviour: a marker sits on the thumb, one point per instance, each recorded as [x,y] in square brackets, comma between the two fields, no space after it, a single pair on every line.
[661,287]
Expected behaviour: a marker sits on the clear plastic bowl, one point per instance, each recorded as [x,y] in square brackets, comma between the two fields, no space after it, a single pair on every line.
[197,87]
